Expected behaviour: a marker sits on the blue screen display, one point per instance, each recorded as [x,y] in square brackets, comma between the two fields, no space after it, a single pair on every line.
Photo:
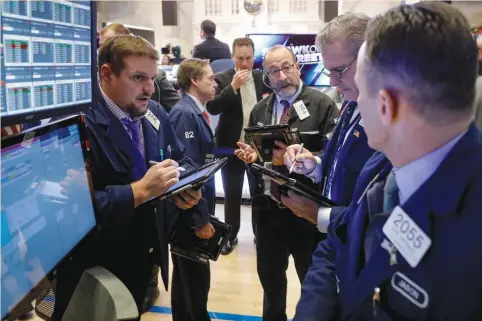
[46,206]
[49,34]
[303,46]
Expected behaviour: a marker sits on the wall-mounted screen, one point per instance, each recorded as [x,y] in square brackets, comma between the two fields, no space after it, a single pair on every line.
[303,45]
[47,49]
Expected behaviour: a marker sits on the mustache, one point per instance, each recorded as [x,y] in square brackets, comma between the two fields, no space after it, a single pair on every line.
[283,84]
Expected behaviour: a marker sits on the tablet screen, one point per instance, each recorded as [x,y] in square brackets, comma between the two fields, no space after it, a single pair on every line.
[191,178]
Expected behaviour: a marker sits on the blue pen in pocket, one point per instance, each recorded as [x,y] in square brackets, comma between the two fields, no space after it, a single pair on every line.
[161,153]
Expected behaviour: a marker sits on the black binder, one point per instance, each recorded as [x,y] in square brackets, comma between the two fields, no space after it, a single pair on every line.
[184,242]
[261,139]
[288,183]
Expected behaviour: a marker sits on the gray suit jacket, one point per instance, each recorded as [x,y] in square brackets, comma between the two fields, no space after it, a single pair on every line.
[165,93]
[478,102]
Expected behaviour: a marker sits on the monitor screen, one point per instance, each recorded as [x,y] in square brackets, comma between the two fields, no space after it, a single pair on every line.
[46,58]
[303,45]
[46,206]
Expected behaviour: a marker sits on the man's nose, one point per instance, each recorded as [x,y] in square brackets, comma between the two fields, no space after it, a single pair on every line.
[334,81]
[282,75]
[149,87]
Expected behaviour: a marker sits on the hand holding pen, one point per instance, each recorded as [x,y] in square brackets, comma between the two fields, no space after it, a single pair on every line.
[299,159]
[168,156]
[296,154]
[157,180]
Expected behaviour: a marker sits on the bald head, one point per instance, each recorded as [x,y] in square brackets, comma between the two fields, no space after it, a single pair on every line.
[112,30]
[275,51]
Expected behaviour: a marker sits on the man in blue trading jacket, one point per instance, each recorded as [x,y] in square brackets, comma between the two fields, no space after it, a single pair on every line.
[127,132]
[385,257]
[348,150]
[191,280]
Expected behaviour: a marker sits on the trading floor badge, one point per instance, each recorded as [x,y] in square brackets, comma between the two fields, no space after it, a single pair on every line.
[392,251]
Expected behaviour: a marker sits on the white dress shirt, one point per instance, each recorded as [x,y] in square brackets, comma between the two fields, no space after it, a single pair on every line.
[198,103]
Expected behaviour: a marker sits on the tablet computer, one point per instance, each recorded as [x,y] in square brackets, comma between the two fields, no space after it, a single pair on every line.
[261,139]
[195,178]
[288,183]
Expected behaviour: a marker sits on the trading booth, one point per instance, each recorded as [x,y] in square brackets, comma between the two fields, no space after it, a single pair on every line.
[48,69]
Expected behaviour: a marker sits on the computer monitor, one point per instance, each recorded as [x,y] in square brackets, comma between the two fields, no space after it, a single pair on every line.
[303,45]
[46,205]
[46,58]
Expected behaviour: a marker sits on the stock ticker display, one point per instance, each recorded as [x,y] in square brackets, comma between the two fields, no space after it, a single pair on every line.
[45,55]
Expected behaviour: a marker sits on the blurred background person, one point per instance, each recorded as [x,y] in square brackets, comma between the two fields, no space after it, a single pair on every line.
[112,30]
[210,48]
[166,60]
[238,90]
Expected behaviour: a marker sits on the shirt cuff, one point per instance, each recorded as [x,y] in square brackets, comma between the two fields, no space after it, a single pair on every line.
[323,219]
[315,175]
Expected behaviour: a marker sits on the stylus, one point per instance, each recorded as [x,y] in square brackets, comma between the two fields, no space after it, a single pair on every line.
[180,168]
[296,154]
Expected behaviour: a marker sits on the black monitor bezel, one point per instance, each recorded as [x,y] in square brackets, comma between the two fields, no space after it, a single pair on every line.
[79,120]
[64,110]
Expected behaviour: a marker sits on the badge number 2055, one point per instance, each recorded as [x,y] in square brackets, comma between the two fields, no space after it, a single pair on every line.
[409,231]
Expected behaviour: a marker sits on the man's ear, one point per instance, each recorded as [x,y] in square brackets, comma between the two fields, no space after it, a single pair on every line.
[106,72]
[387,107]
[194,82]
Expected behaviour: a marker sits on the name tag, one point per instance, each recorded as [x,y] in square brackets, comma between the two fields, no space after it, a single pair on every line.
[301,110]
[410,290]
[409,239]
[153,119]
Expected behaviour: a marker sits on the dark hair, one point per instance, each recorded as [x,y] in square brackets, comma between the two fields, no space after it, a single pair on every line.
[117,28]
[192,68]
[209,28]
[426,52]
[117,48]
[245,41]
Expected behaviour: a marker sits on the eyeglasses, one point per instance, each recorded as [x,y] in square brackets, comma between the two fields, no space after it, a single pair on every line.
[337,73]
[286,70]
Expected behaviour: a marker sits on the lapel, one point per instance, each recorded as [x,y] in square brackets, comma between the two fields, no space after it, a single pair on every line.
[114,131]
[192,104]
[152,139]
[258,84]
[357,223]
[432,199]
[268,111]
[294,121]
[350,140]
